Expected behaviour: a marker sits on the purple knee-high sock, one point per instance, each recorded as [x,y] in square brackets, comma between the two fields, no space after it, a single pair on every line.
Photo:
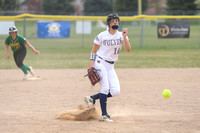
[103,103]
[96,96]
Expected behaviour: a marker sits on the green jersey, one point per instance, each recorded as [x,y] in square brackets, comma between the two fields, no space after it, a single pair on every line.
[16,44]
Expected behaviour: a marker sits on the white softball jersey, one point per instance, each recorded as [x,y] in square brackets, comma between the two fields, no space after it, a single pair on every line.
[110,45]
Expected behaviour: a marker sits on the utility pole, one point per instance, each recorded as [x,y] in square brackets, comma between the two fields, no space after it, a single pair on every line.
[141,22]
[139,7]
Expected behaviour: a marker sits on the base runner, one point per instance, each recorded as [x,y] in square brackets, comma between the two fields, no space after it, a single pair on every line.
[17,44]
[104,54]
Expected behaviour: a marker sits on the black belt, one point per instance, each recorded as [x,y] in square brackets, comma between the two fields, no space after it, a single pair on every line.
[111,62]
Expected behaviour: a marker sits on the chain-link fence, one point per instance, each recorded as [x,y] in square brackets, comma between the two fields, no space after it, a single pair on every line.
[142,32]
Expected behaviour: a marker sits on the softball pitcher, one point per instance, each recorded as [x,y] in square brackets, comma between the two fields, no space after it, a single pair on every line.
[103,56]
[17,44]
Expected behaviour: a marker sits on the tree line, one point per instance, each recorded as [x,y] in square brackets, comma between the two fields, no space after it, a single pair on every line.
[98,7]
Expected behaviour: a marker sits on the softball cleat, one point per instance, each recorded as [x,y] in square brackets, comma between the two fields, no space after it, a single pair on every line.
[89,101]
[26,76]
[31,71]
[106,118]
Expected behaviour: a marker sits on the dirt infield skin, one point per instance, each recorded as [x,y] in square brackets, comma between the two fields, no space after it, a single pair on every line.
[33,106]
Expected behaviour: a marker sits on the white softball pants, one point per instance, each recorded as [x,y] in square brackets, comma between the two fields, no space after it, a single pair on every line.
[109,80]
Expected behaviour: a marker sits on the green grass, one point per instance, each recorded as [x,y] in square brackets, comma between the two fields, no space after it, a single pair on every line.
[78,57]
[74,52]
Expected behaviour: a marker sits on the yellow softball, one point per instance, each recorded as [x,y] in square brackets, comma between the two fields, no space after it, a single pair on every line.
[166,93]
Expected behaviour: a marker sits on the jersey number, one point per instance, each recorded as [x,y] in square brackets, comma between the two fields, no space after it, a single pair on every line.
[117,50]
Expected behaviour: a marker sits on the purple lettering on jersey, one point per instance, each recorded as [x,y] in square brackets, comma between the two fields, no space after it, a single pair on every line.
[112,42]
[97,38]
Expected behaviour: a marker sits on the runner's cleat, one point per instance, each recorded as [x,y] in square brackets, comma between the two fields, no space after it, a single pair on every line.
[26,76]
[31,71]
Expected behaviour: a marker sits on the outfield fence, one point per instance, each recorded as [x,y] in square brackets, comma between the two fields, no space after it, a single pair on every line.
[143,32]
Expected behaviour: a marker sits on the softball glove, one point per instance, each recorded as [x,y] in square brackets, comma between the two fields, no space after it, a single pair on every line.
[93,76]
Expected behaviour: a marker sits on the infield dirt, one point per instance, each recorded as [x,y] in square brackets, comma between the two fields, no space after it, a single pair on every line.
[34,106]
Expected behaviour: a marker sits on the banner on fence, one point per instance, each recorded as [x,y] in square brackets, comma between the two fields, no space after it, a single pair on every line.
[4,27]
[49,29]
[83,27]
[173,30]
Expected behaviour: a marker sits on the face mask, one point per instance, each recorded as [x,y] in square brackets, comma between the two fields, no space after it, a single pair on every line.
[114,27]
